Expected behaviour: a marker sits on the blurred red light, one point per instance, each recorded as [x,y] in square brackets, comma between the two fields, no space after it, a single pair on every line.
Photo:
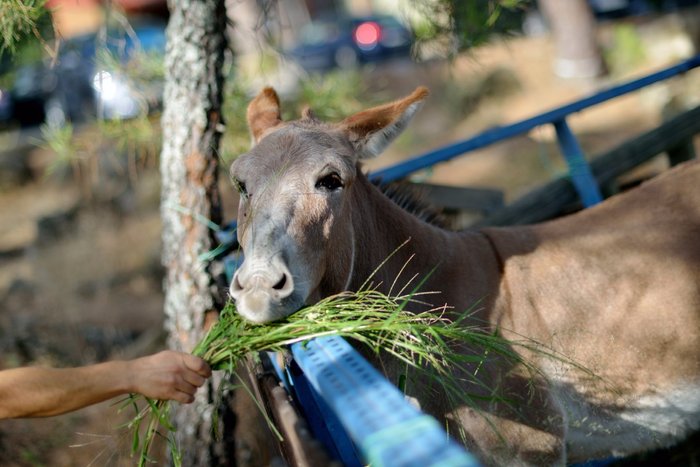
[368,34]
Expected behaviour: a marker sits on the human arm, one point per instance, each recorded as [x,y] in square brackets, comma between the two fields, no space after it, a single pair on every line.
[43,392]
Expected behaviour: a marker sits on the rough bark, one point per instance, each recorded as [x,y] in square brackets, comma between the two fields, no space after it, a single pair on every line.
[574,29]
[192,128]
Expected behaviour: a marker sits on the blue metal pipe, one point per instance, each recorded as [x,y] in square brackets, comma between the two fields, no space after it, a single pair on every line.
[496,134]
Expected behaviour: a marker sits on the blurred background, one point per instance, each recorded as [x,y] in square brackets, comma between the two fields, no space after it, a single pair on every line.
[80,272]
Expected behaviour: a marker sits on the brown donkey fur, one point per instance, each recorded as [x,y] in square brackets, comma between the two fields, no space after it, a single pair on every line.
[615,288]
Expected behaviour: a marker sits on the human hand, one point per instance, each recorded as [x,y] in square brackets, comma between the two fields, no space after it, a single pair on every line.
[167,375]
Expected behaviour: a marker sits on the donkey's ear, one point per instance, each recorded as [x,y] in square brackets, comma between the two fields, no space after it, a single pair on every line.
[371,130]
[263,113]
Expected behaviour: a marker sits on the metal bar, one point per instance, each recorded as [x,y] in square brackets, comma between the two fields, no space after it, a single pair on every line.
[387,429]
[579,169]
[547,201]
[493,135]
[324,423]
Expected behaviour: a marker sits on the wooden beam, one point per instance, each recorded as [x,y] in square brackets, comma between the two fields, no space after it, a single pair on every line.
[298,446]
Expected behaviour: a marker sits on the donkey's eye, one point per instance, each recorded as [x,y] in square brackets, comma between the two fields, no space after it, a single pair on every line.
[330,182]
[240,186]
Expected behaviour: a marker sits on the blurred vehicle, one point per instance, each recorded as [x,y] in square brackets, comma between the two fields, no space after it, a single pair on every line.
[86,80]
[612,9]
[5,107]
[344,43]
[28,94]
[86,88]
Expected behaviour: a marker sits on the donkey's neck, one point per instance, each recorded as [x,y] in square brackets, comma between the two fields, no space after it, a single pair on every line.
[415,250]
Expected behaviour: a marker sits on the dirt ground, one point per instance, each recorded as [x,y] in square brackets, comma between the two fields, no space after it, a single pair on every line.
[80,279]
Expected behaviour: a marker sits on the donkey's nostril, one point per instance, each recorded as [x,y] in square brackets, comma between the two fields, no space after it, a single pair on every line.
[284,287]
[281,283]
[235,284]
[258,284]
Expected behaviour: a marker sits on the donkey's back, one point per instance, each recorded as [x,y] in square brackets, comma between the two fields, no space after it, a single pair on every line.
[615,288]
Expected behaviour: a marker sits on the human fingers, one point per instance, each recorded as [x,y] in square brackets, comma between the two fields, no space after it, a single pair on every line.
[185,387]
[182,397]
[173,387]
[193,378]
[197,365]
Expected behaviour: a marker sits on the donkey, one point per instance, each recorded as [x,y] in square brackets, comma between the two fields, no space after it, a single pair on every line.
[615,288]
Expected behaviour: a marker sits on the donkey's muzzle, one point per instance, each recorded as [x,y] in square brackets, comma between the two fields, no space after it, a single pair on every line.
[260,292]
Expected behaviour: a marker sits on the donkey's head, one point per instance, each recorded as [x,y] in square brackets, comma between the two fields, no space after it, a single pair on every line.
[296,186]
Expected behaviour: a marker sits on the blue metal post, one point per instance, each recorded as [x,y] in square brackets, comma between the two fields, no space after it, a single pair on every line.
[579,169]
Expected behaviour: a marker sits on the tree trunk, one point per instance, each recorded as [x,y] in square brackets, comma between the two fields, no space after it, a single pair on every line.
[192,127]
[574,29]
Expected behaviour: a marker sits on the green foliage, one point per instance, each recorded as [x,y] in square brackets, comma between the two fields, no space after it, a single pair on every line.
[143,68]
[17,19]
[236,139]
[126,145]
[138,139]
[23,24]
[20,20]
[332,97]
[458,25]
[107,149]
[59,140]
[627,49]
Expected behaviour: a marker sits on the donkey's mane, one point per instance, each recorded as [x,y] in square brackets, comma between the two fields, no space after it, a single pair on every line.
[408,198]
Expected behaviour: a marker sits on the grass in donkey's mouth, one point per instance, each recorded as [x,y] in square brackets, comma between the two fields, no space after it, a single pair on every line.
[423,341]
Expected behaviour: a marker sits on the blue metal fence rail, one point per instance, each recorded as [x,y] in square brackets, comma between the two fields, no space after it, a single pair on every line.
[364,418]
[579,169]
[387,430]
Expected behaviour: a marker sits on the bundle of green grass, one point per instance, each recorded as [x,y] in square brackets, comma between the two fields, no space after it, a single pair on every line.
[381,322]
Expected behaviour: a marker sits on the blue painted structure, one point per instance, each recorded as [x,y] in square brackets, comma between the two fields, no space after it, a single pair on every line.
[356,412]
[578,167]
[387,430]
